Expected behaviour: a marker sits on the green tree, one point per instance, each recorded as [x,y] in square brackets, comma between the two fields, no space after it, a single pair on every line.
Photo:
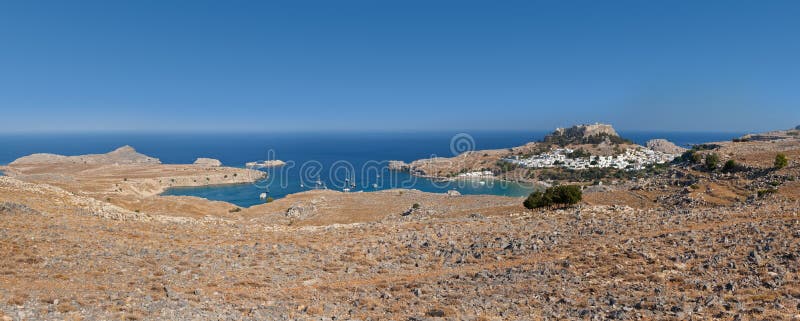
[781,161]
[712,160]
[567,194]
[556,195]
[729,166]
[537,199]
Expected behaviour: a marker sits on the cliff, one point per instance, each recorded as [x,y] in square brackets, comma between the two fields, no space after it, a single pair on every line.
[585,134]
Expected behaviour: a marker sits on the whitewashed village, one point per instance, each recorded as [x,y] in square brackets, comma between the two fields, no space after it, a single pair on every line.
[631,159]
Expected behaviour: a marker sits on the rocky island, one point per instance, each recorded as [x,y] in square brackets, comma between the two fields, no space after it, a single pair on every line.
[713,235]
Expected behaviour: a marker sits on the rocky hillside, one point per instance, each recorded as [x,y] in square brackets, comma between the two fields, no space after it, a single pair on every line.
[123,155]
[664,146]
[584,134]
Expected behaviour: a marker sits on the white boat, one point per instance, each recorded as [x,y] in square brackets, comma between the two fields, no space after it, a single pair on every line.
[263,196]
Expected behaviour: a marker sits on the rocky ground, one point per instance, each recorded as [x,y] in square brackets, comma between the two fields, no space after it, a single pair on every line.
[688,244]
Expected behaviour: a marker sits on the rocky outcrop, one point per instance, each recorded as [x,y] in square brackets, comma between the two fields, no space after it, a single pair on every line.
[123,155]
[301,211]
[208,162]
[581,131]
[17,208]
[664,146]
[400,166]
[582,134]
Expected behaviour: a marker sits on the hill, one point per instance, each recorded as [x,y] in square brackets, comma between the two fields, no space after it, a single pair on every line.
[585,134]
[123,155]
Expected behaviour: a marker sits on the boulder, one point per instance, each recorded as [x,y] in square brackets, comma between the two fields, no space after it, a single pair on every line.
[453,192]
[301,211]
[209,162]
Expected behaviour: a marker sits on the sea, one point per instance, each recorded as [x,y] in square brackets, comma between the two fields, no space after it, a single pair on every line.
[352,161]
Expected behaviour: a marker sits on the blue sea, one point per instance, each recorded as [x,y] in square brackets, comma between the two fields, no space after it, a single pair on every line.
[334,160]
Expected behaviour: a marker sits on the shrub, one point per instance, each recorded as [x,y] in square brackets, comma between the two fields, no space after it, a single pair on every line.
[415,206]
[234,210]
[729,166]
[712,160]
[270,199]
[765,192]
[691,156]
[781,161]
[556,195]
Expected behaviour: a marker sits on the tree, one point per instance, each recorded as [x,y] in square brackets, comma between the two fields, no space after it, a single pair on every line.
[781,161]
[712,160]
[537,199]
[729,166]
[567,194]
[556,195]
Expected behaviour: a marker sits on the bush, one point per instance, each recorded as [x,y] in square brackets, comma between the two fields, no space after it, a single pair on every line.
[556,195]
[691,156]
[729,166]
[765,192]
[415,206]
[712,160]
[781,161]
[270,199]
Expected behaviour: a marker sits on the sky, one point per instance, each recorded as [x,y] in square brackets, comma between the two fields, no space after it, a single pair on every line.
[398,65]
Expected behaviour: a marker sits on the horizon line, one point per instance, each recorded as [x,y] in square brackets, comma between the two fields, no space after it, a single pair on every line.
[350,131]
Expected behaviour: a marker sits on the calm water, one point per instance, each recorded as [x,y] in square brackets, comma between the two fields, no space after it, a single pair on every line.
[338,160]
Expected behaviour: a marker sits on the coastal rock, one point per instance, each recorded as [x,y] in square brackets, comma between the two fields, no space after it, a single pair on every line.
[664,146]
[209,162]
[123,155]
[453,192]
[400,166]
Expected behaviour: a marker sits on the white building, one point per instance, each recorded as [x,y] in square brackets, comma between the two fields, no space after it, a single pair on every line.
[631,159]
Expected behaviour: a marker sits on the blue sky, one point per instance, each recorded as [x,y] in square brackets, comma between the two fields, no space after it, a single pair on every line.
[398,65]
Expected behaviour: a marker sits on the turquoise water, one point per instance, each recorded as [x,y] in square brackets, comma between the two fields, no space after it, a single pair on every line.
[338,160]
[247,195]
